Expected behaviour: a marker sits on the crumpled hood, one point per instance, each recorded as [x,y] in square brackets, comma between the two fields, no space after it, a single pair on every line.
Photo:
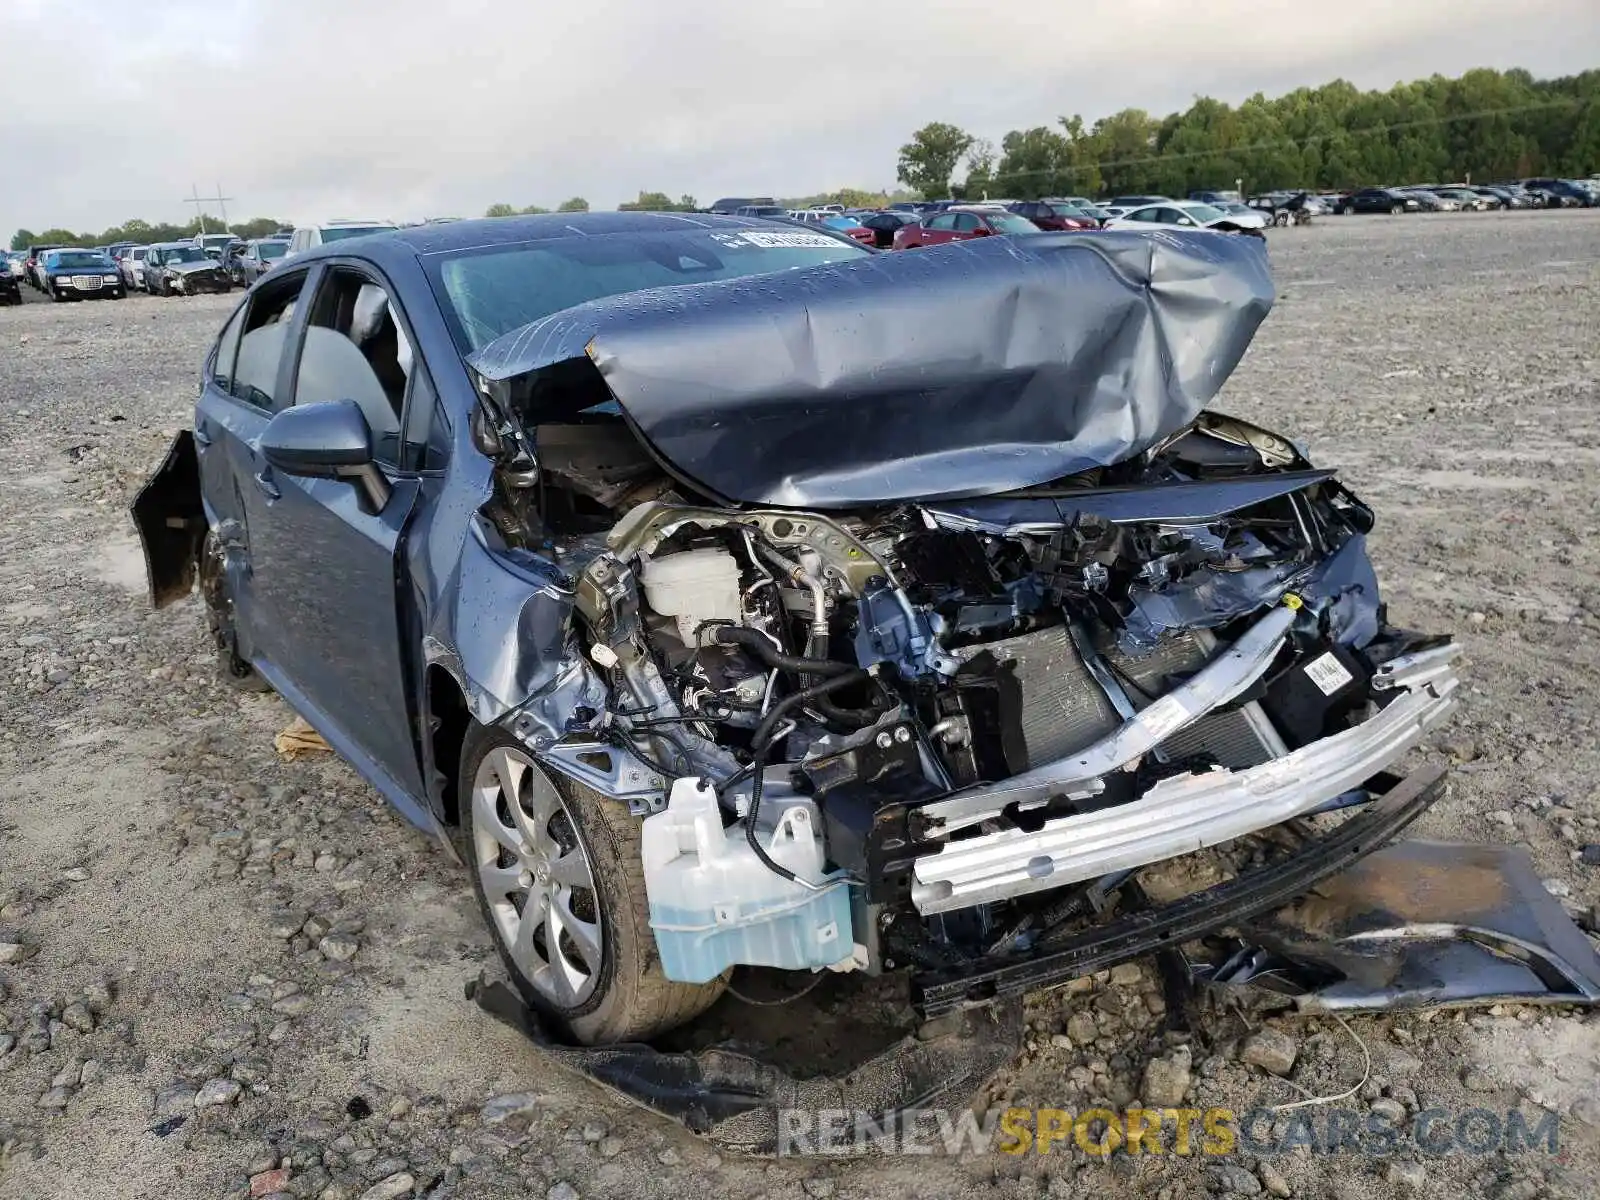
[966,369]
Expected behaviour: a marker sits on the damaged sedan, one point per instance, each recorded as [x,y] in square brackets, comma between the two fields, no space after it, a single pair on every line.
[728,596]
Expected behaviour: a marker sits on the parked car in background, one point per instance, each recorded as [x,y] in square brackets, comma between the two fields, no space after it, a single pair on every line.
[183,269]
[1429,200]
[309,237]
[885,224]
[1183,214]
[762,210]
[215,244]
[1249,218]
[256,257]
[30,267]
[10,281]
[851,227]
[1566,193]
[80,275]
[1379,200]
[960,223]
[1513,195]
[131,267]
[1052,216]
[1466,199]
[729,205]
[1218,199]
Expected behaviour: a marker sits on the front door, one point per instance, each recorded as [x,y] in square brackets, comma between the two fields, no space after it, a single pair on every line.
[325,567]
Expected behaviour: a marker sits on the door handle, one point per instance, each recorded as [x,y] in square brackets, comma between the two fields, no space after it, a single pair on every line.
[201,437]
[265,486]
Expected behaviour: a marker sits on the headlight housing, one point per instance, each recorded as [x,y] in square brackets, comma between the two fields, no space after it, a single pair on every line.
[111,278]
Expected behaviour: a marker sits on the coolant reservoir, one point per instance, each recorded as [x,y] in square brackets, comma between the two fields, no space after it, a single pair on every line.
[694,586]
[714,904]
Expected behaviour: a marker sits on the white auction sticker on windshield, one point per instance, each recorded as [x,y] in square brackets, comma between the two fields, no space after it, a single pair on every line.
[772,239]
[1328,673]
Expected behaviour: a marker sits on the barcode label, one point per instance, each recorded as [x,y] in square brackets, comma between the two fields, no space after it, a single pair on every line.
[1328,673]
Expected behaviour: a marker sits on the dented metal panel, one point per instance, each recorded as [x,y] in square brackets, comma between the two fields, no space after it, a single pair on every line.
[966,369]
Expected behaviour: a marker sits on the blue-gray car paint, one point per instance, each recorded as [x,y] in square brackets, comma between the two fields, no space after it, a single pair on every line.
[498,621]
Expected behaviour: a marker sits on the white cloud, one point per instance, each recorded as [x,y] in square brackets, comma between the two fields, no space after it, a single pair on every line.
[304,108]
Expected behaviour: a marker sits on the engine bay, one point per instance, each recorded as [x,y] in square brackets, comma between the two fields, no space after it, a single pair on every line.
[820,711]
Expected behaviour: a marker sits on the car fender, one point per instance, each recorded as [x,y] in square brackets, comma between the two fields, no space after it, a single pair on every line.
[171,519]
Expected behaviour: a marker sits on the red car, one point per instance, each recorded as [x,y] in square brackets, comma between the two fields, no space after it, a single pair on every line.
[1052,216]
[958,223]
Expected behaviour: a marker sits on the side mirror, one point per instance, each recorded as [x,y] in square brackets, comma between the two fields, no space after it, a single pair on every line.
[330,440]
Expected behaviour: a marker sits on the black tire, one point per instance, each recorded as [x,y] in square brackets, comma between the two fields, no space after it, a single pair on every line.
[632,999]
[1396,210]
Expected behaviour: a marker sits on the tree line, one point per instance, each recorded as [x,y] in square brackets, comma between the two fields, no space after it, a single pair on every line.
[144,233]
[1484,125]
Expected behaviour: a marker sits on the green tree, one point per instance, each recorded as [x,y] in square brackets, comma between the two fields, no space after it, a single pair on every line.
[1122,146]
[23,238]
[500,210]
[981,159]
[929,159]
[576,204]
[533,210]
[255,227]
[63,237]
[658,202]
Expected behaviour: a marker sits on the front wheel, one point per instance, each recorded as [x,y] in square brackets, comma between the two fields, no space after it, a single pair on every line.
[558,874]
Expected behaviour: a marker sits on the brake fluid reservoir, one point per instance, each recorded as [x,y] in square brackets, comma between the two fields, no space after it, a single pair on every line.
[694,586]
[714,904]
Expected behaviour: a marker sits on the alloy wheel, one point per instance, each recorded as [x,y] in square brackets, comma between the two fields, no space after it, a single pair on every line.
[536,876]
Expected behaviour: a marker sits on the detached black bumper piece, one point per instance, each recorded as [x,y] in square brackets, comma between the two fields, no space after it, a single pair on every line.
[1147,931]
[735,1100]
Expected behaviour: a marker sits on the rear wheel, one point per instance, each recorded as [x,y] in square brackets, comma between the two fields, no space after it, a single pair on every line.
[557,870]
[1396,210]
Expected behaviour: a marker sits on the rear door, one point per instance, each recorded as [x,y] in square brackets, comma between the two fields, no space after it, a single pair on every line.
[244,387]
[324,565]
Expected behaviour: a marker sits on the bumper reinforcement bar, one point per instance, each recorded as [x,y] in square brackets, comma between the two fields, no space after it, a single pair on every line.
[1179,814]
[1146,931]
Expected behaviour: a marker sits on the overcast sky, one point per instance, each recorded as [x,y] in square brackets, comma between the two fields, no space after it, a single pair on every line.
[301,109]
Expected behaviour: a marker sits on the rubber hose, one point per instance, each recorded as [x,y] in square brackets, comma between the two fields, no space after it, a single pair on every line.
[758,645]
[763,733]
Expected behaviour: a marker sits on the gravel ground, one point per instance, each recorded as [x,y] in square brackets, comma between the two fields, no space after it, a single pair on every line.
[223,975]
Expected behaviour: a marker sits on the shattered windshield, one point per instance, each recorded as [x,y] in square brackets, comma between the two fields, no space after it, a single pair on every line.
[491,291]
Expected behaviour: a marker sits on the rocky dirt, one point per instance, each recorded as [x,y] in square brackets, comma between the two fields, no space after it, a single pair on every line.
[226,975]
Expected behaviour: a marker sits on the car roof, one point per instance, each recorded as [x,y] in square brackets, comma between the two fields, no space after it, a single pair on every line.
[422,241]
